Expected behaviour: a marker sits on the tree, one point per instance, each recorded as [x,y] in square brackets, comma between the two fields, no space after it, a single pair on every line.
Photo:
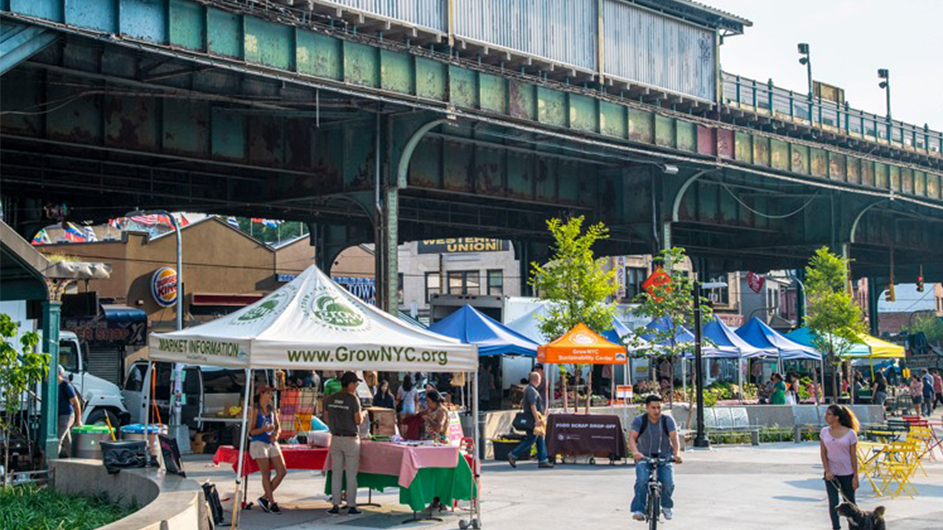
[930,325]
[833,317]
[20,370]
[673,304]
[575,284]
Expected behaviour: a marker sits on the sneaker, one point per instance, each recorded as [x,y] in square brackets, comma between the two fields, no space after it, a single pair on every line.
[512,460]
[353,511]
[545,465]
[335,510]
[275,509]
[638,516]
[264,504]
[667,513]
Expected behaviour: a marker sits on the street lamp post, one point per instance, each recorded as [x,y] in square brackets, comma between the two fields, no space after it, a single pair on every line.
[178,367]
[884,73]
[700,439]
[806,60]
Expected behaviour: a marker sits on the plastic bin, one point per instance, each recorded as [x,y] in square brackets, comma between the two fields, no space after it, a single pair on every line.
[504,446]
[87,439]
[136,432]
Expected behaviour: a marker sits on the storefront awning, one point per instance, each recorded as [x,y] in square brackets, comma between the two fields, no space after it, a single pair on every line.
[122,313]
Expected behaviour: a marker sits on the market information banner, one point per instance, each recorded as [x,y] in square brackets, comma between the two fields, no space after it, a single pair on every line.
[581,435]
[462,244]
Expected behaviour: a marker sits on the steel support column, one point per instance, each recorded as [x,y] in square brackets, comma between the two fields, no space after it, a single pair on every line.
[49,428]
[874,295]
[390,250]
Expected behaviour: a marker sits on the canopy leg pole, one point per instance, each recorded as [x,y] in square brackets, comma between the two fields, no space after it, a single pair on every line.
[237,503]
[149,440]
[740,378]
[476,493]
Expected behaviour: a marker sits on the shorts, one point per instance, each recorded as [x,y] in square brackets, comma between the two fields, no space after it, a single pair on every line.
[261,450]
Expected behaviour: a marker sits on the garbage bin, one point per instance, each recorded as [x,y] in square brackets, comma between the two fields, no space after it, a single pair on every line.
[87,439]
[136,432]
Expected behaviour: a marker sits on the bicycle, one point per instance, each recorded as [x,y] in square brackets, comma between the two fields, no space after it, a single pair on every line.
[653,509]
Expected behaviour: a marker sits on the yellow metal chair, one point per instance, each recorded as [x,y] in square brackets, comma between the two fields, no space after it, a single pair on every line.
[869,457]
[898,468]
[922,438]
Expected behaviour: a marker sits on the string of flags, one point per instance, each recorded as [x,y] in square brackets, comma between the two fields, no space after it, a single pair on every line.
[271,223]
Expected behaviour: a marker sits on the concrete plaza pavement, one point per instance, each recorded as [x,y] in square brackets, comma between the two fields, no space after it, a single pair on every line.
[726,488]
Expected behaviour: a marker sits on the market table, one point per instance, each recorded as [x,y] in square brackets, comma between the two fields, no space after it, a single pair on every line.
[597,435]
[296,457]
[421,472]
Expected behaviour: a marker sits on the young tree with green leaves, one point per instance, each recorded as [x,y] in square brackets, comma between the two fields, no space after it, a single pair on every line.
[21,368]
[575,284]
[672,303]
[833,317]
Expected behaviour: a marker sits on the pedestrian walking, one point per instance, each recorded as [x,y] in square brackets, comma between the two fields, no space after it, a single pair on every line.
[916,394]
[532,421]
[70,413]
[838,448]
[344,416]
[929,396]
[264,448]
[937,388]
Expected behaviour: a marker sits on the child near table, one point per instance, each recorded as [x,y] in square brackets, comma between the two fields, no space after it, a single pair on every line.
[264,449]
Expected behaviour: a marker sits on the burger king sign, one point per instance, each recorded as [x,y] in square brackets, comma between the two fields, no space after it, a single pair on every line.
[164,286]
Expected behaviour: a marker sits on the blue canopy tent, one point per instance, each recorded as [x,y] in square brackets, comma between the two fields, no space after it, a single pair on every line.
[804,336]
[757,333]
[683,335]
[492,338]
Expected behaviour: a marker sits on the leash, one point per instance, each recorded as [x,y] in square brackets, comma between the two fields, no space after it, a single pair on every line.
[835,484]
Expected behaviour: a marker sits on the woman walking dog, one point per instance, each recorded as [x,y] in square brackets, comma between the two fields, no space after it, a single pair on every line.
[838,444]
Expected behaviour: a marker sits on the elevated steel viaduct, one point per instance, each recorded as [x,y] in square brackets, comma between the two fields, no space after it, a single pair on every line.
[394,121]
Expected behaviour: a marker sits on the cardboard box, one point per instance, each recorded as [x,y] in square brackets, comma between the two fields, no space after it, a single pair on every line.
[382,421]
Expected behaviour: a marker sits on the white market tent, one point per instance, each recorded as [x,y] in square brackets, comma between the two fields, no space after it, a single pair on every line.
[314,324]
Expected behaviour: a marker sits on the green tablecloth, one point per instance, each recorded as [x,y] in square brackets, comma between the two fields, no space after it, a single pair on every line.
[448,484]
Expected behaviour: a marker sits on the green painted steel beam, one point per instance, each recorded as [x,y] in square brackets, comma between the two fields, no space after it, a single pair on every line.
[235,40]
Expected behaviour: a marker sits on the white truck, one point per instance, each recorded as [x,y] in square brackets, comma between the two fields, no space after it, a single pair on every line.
[99,397]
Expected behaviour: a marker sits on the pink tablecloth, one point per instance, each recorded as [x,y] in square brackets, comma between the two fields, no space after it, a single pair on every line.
[403,461]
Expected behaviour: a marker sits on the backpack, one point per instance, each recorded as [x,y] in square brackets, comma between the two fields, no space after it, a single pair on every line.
[212,499]
[645,422]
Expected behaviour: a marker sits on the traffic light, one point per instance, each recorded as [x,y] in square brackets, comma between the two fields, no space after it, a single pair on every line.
[920,280]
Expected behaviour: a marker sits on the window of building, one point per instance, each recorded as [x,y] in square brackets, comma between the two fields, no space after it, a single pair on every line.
[634,277]
[433,285]
[495,282]
[464,282]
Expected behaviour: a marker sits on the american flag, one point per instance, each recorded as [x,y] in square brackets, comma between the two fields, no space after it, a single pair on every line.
[151,219]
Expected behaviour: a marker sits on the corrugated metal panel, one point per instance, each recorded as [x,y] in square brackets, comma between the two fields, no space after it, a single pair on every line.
[425,13]
[643,46]
[562,31]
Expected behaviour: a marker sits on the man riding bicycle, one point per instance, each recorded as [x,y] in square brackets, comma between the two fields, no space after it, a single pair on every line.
[653,434]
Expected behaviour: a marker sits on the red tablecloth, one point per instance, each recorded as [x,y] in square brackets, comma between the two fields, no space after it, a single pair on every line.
[296,457]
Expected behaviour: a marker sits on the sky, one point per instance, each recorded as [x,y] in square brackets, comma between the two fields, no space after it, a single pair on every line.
[849,41]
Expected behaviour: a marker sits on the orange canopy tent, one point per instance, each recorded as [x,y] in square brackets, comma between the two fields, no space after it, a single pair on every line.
[581,345]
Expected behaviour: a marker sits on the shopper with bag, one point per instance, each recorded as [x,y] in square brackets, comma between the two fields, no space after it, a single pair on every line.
[532,421]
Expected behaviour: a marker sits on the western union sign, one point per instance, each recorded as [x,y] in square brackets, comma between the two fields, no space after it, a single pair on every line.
[462,244]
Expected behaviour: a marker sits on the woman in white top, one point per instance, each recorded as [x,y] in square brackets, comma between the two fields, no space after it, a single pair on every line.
[407,397]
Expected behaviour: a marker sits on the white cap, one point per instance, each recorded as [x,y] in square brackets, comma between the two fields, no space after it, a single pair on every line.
[62,371]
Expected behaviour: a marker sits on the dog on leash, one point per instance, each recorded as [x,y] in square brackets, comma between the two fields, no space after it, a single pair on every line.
[860,519]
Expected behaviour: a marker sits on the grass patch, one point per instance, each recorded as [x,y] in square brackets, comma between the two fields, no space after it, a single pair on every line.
[38,508]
